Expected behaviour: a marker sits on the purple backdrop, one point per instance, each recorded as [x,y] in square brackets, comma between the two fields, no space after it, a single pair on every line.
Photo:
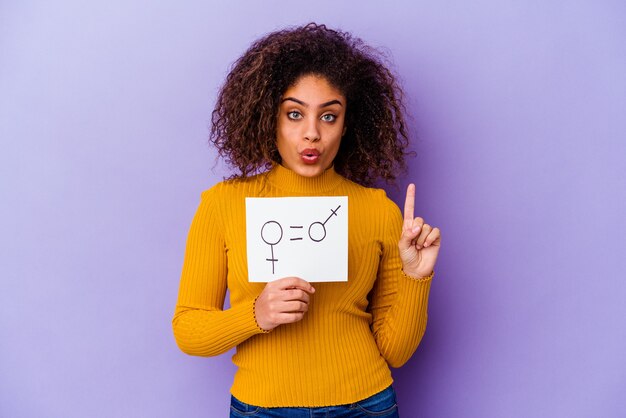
[518,114]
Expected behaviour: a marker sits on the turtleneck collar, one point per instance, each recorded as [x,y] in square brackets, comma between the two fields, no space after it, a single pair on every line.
[289,181]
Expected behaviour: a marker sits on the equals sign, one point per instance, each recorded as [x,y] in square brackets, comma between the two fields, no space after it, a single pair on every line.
[295,227]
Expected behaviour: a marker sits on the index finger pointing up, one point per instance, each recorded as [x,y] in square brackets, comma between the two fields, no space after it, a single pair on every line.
[409,204]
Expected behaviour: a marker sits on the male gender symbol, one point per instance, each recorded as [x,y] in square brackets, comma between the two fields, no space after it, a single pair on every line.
[318,233]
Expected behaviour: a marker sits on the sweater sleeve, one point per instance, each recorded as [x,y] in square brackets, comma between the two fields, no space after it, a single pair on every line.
[398,302]
[201,326]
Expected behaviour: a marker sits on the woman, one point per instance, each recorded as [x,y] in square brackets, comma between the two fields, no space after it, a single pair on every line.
[309,112]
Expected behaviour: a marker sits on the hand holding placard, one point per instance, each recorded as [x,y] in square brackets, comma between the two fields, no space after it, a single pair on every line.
[282,301]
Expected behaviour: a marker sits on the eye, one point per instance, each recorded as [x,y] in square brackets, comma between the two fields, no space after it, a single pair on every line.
[329,117]
[294,114]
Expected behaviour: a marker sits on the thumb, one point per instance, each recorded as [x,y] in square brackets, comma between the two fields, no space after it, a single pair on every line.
[408,235]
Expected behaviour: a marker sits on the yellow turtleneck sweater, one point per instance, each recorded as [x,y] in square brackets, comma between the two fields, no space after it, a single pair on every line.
[340,352]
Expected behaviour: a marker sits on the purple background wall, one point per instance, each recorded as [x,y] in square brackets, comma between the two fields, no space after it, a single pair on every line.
[519,109]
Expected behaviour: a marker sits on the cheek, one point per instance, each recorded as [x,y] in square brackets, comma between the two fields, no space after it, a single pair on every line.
[284,141]
[337,137]
[335,146]
[281,146]
[285,133]
[281,136]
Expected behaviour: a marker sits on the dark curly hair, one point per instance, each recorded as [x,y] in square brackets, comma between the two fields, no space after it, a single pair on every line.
[245,116]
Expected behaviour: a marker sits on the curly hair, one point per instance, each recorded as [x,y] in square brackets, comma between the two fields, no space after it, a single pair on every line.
[245,116]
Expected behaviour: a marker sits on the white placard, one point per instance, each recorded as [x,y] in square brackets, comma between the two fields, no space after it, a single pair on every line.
[305,237]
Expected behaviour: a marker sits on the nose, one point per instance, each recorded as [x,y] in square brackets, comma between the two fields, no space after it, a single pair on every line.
[312,132]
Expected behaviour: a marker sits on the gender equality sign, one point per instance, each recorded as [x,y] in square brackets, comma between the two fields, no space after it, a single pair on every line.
[305,237]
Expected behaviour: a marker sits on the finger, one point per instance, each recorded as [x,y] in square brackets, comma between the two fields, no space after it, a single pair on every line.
[294,282]
[425,230]
[409,204]
[416,225]
[296,294]
[433,237]
[410,233]
[406,239]
[293,306]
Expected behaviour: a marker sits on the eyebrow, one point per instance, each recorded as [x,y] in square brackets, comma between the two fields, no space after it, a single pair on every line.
[293,99]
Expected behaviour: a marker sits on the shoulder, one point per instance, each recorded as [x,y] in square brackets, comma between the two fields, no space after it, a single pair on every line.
[371,197]
[233,188]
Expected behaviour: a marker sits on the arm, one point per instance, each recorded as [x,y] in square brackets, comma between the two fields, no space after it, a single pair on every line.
[399,303]
[201,326]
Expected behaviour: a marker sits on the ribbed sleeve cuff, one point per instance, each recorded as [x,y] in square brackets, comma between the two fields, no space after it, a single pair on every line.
[264,331]
[425,278]
[415,289]
[243,319]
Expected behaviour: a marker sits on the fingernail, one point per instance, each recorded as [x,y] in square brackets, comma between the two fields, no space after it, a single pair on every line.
[426,244]
[417,228]
[312,289]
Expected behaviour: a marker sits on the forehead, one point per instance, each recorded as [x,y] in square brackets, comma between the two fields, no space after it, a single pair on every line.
[313,89]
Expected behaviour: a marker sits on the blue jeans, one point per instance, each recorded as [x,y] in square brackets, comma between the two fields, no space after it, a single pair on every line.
[382,404]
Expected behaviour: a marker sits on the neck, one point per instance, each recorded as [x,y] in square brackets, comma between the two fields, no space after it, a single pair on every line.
[289,181]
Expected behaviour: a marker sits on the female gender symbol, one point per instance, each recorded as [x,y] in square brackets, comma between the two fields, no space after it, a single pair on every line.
[271,234]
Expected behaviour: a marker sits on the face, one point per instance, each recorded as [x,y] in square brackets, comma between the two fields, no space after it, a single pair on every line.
[310,125]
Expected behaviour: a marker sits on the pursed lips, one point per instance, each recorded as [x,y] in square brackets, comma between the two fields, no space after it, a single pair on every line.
[310,152]
[310,155]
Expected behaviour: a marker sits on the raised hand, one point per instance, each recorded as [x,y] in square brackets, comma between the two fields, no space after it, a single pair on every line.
[282,301]
[419,243]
